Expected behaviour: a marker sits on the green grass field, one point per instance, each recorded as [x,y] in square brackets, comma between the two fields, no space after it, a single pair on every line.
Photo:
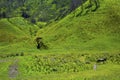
[74,44]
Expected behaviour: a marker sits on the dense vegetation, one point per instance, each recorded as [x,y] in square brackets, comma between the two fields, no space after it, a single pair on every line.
[37,10]
[59,39]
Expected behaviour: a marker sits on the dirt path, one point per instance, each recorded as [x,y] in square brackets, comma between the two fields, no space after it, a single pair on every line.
[13,69]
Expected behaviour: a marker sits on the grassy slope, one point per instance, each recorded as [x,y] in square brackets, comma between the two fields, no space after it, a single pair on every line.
[8,31]
[15,34]
[92,31]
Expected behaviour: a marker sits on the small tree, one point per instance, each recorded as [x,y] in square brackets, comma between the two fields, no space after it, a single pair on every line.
[40,43]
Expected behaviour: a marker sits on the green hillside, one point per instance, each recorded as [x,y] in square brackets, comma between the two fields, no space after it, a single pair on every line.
[15,34]
[9,31]
[59,40]
[87,29]
[16,28]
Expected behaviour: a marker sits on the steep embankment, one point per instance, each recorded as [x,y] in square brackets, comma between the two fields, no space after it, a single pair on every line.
[91,27]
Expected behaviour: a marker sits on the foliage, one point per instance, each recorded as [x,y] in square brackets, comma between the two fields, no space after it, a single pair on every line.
[90,32]
[66,66]
[40,10]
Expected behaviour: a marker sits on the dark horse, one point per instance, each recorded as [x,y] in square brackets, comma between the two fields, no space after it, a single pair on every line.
[101,60]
